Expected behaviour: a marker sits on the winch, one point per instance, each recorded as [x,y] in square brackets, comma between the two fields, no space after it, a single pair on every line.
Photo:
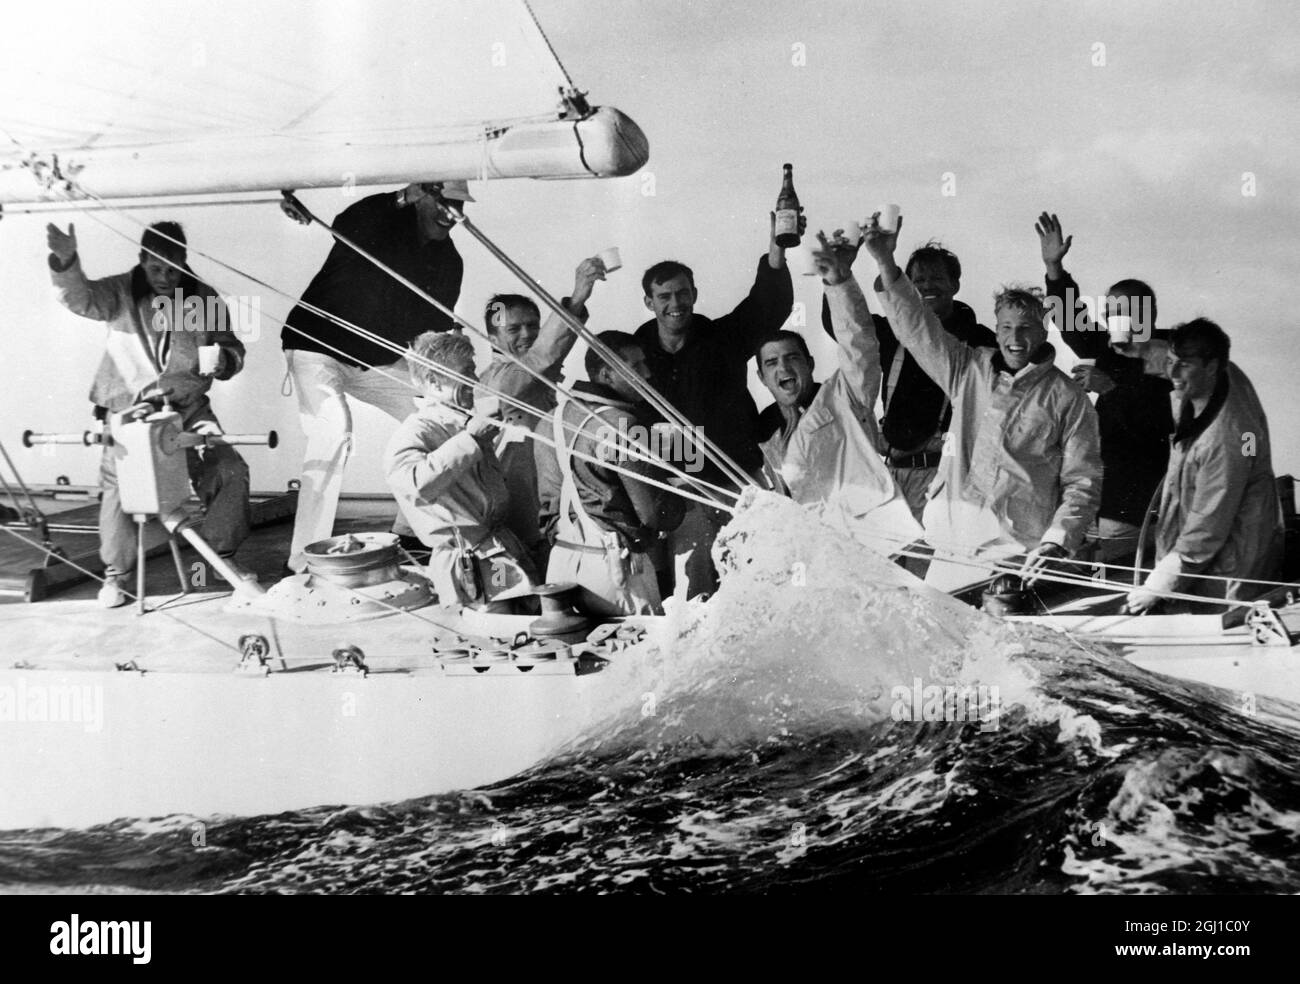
[349,578]
[1006,595]
[560,620]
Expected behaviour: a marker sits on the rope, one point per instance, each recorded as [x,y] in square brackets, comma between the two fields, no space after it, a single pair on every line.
[549,47]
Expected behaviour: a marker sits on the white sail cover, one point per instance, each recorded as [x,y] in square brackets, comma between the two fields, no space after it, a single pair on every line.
[147,97]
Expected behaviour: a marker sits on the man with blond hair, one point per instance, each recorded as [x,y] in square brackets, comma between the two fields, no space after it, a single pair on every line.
[1021,475]
[444,473]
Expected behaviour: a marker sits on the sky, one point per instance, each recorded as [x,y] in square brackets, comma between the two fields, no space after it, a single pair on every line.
[1164,136]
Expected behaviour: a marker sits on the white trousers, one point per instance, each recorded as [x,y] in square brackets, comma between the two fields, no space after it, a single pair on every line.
[323,385]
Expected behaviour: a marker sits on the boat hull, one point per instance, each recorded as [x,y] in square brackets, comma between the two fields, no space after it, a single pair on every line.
[130,744]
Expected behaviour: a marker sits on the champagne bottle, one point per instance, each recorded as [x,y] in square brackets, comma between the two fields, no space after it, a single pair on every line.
[787,212]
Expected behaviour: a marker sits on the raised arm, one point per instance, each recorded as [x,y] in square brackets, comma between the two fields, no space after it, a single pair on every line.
[1063,300]
[768,302]
[555,338]
[98,300]
[919,330]
[851,320]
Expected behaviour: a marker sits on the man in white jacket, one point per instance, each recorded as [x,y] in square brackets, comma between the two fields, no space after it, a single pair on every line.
[1219,511]
[820,441]
[158,315]
[443,471]
[1021,471]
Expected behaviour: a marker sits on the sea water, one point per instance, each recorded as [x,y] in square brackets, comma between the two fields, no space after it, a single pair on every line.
[823,723]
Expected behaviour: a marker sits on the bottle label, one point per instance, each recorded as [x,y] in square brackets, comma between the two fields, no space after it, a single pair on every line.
[787,222]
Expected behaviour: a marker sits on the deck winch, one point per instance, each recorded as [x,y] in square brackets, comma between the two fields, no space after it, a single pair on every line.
[560,620]
[348,578]
[1006,595]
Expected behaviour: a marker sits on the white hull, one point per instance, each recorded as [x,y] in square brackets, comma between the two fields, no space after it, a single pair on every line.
[210,743]
[86,743]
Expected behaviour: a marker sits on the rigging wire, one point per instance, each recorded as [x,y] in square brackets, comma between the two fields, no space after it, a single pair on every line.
[971,561]
[549,47]
[654,398]
[1077,580]
[634,450]
[571,322]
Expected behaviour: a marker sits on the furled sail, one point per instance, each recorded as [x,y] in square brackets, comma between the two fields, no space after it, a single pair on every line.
[141,99]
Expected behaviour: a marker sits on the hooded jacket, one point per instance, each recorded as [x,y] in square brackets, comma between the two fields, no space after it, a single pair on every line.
[149,341]
[830,451]
[1219,509]
[1023,465]
[445,479]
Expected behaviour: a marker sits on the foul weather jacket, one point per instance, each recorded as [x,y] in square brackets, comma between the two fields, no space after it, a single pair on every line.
[1219,508]
[450,487]
[1023,465]
[828,453]
[149,341]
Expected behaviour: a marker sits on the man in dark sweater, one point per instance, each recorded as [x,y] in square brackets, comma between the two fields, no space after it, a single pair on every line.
[917,413]
[409,232]
[698,364]
[1133,406]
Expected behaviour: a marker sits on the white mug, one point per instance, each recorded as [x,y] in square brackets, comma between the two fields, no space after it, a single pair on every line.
[610,258]
[209,356]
